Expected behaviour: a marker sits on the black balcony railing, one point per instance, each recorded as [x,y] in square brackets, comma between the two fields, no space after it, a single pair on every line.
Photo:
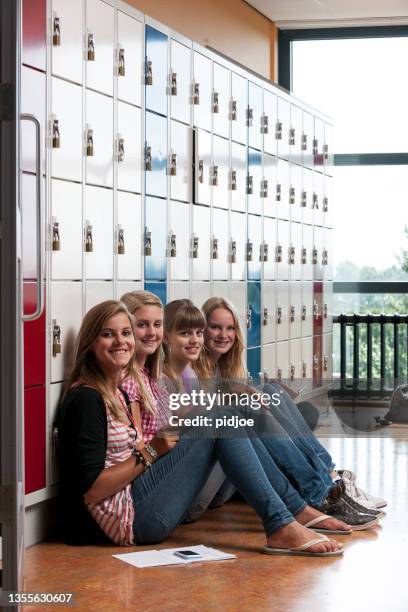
[377,347]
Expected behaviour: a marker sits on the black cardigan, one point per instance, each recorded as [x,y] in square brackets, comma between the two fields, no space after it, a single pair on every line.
[82,442]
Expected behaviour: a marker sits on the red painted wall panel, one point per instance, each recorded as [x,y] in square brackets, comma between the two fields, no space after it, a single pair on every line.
[35,439]
[34,33]
[34,341]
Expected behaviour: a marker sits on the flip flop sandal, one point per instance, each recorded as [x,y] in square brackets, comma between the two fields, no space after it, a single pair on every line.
[320,519]
[302,551]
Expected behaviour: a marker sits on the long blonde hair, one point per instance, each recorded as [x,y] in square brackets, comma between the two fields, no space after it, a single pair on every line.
[87,370]
[179,315]
[231,364]
[154,363]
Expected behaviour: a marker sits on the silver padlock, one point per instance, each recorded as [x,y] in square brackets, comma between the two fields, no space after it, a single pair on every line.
[249,317]
[56,32]
[304,369]
[121,63]
[172,245]
[173,164]
[56,139]
[56,242]
[200,171]
[304,312]
[233,110]
[89,143]
[292,255]
[304,199]
[148,72]
[233,181]
[279,129]
[233,252]
[196,93]
[304,255]
[121,241]
[121,149]
[215,107]
[325,311]
[292,137]
[147,243]
[214,176]
[56,338]
[214,248]
[250,117]
[304,142]
[292,314]
[292,195]
[173,84]
[278,192]
[250,184]
[325,204]
[278,257]
[249,253]
[91,47]
[88,238]
[265,317]
[279,315]
[264,188]
[292,372]
[195,247]
[264,124]
[148,158]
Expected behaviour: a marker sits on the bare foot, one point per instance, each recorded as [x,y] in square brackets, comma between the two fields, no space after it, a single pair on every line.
[294,535]
[308,514]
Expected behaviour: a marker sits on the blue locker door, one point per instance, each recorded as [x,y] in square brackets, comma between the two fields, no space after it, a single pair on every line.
[159,289]
[254,363]
[254,314]
[156,155]
[155,236]
[156,71]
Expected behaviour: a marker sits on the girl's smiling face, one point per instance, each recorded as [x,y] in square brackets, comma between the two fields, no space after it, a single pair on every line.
[185,344]
[148,329]
[115,344]
[220,332]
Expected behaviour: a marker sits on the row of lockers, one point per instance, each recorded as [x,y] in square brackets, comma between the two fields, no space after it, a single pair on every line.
[296,362]
[226,174]
[108,50]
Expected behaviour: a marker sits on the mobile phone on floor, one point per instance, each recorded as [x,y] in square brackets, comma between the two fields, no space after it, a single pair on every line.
[188,555]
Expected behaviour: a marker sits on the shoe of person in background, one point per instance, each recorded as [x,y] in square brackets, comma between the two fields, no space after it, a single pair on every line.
[360,496]
[343,512]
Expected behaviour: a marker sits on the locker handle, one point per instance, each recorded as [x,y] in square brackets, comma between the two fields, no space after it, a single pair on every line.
[89,142]
[278,257]
[121,62]
[148,158]
[56,32]
[265,251]
[264,124]
[304,142]
[304,199]
[214,176]
[278,192]
[172,170]
[304,255]
[265,316]
[121,149]
[233,251]
[147,242]
[196,93]
[88,238]
[292,314]
[215,107]
[200,171]
[325,204]
[250,184]
[56,241]
[56,338]
[279,128]
[314,255]
[233,110]
[292,137]
[195,247]
[316,201]
[250,116]
[148,72]
[121,241]
[249,318]
[279,315]
[91,47]
[315,146]
[292,255]
[304,312]
[292,195]
[233,181]
[173,83]
[264,188]
[214,248]
[172,248]
[39,220]
[56,137]
[249,250]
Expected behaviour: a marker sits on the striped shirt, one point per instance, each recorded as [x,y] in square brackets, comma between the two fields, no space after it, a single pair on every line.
[115,514]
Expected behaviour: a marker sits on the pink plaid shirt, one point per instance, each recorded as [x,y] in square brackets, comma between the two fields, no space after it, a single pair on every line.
[151,423]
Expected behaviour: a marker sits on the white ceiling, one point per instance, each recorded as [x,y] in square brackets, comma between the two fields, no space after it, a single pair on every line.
[293,13]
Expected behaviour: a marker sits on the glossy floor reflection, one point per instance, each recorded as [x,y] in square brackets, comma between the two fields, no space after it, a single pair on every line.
[372,576]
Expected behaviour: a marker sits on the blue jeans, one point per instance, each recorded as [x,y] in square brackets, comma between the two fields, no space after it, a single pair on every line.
[163,495]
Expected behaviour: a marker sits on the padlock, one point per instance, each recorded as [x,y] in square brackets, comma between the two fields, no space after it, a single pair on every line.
[148,243]
[214,176]
[315,310]
[292,134]
[56,138]
[304,312]
[214,248]
[233,182]
[173,84]
[200,171]
[121,241]
[195,247]
[56,32]
[172,245]
[249,252]
[265,316]
[89,143]
[325,311]
[279,373]
[278,257]
[196,93]
[121,63]
[315,255]
[215,102]
[304,199]
[264,124]
[304,369]
[292,195]
[315,201]
[148,72]
[292,255]
[279,315]
[278,192]
[56,242]
[279,128]
[88,239]
[56,338]
[148,158]
[315,147]
[173,164]
[325,204]
[264,188]
[292,372]
[249,318]
[325,363]
[304,255]
[315,363]
[91,48]
[233,253]
[250,117]
[121,149]
[265,251]
[292,314]
[325,257]
[233,111]
[304,142]
[250,184]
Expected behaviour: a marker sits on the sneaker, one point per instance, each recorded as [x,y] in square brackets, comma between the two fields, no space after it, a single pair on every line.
[360,496]
[350,501]
[343,512]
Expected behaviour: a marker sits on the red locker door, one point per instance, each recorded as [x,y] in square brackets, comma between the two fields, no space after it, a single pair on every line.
[317,308]
[34,341]
[34,438]
[34,33]
[317,361]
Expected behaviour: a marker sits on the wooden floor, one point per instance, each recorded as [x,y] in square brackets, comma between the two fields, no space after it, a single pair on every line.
[372,576]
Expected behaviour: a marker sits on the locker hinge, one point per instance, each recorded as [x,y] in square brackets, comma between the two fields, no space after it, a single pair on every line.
[7,110]
[6,503]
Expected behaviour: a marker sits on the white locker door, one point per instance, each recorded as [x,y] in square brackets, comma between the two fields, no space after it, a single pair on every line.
[237,247]
[327,307]
[238,177]
[270,238]
[129,59]
[178,240]
[238,108]
[327,359]
[282,361]
[129,148]
[307,308]
[254,253]
[65,230]
[220,172]
[295,192]
[67,39]
[238,297]
[179,162]
[254,182]
[99,46]
[179,86]
[307,196]
[318,144]
[220,100]
[123,287]
[283,128]
[200,292]
[328,202]
[318,253]
[307,252]
[282,196]
[269,186]
[219,244]
[307,361]
[220,289]
[295,134]
[200,246]
[295,251]
[155,153]
[269,360]
[327,255]
[307,140]
[282,250]
[98,233]
[318,192]
[128,236]
[66,316]
[202,82]
[295,353]
[270,122]
[254,114]
[97,292]
[282,310]
[66,130]
[328,149]
[295,311]
[202,184]
[99,139]
[268,312]
[178,290]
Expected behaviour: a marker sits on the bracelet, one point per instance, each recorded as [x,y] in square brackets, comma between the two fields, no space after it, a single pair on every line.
[141,459]
[152,452]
